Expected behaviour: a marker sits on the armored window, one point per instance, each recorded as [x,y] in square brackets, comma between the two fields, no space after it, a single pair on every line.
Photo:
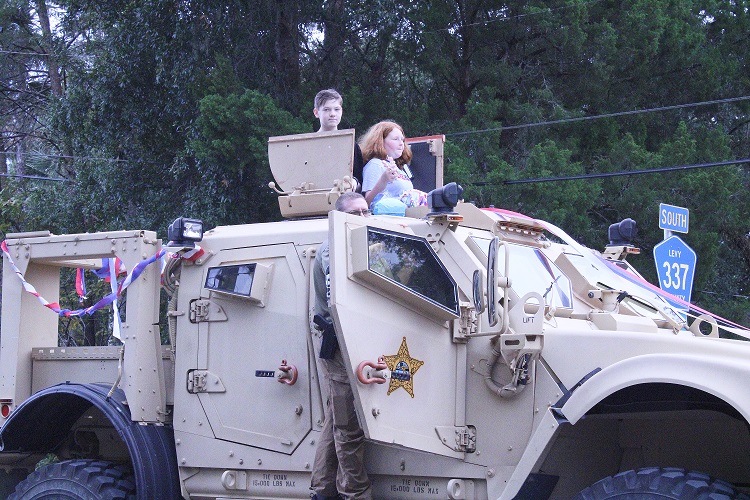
[237,280]
[411,262]
[407,267]
[644,299]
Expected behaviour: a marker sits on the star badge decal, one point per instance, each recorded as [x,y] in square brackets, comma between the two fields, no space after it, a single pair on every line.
[403,367]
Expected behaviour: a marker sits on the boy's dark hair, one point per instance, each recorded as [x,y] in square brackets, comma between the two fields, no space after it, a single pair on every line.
[326,95]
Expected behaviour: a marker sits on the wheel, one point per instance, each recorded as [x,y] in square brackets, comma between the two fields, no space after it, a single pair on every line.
[77,480]
[9,480]
[660,483]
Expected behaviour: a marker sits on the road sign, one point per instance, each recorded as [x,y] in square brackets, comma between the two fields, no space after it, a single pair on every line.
[672,218]
[675,265]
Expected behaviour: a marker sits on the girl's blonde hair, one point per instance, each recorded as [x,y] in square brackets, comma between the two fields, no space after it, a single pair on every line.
[372,143]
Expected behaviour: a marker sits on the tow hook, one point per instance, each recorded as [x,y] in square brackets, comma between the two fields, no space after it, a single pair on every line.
[288,373]
[373,373]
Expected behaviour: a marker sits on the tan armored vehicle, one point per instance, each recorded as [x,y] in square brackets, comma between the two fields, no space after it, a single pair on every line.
[491,357]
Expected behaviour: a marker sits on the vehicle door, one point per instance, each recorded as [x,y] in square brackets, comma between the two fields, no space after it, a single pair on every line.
[393,299]
[259,300]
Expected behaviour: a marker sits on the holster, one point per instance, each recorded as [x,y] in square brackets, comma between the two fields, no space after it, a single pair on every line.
[330,343]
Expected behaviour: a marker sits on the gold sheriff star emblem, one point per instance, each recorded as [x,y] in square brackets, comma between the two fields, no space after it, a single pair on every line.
[402,367]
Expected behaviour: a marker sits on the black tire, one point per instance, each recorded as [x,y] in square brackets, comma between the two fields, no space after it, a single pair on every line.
[660,483]
[77,480]
[9,480]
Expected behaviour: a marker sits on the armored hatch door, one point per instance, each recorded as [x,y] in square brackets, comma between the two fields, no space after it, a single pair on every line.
[392,298]
[258,319]
[426,164]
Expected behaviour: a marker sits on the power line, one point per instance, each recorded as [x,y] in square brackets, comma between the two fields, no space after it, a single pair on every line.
[733,295]
[606,115]
[36,177]
[621,173]
[67,157]
[14,52]
[496,129]
[510,18]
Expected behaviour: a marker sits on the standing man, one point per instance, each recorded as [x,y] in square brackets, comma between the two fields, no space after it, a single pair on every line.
[338,470]
[329,108]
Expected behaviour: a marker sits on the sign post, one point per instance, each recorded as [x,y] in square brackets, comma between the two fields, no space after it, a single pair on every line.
[675,260]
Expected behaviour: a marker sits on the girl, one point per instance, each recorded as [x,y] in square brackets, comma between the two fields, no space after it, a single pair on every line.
[386,173]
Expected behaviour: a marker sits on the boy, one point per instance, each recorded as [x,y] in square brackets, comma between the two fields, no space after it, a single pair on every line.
[328,108]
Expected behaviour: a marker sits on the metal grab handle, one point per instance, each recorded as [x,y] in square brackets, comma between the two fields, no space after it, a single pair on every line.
[288,373]
[376,376]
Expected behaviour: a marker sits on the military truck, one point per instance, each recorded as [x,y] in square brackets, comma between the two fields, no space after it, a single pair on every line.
[491,357]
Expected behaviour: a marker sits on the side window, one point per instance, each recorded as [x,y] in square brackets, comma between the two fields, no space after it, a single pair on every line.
[411,264]
[237,280]
[248,281]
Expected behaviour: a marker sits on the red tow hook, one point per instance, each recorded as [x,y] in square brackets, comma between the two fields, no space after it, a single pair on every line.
[372,373]
[288,373]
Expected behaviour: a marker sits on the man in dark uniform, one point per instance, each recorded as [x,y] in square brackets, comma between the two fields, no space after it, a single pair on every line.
[338,470]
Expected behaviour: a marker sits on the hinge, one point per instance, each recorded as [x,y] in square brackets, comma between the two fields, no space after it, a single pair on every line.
[204,381]
[467,324]
[519,351]
[462,439]
[205,310]
[434,240]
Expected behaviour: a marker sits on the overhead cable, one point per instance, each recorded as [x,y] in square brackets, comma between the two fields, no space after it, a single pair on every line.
[621,173]
[36,177]
[596,117]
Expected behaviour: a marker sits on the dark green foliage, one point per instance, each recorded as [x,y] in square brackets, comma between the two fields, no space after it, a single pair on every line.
[231,149]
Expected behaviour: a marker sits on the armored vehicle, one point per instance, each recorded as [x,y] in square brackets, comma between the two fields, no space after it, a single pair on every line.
[490,354]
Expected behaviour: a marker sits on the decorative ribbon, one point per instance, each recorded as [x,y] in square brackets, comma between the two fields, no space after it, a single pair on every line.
[80,285]
[116,323]
[117,289]
[104,271]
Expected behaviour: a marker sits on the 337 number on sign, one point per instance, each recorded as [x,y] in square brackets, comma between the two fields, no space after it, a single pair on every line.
[675,276]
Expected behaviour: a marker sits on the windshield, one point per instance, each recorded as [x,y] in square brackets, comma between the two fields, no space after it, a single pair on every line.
[644,298]
[609,275]
[531,271]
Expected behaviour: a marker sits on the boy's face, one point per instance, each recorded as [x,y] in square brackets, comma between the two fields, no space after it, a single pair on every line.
[329,114]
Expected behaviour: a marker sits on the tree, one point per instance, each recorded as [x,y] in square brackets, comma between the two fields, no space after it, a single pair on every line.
[21,94]
[164,109]
[232,154]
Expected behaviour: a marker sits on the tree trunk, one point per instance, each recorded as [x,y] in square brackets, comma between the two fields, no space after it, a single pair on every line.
[287,50]
[20,157]
[333,43]
[55,77]
[465,82]
[48,45]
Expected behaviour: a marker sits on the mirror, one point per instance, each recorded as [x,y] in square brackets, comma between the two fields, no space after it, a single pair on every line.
[492,282]
[476,289]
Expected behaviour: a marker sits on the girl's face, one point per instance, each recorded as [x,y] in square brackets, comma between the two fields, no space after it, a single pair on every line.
[394,143]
